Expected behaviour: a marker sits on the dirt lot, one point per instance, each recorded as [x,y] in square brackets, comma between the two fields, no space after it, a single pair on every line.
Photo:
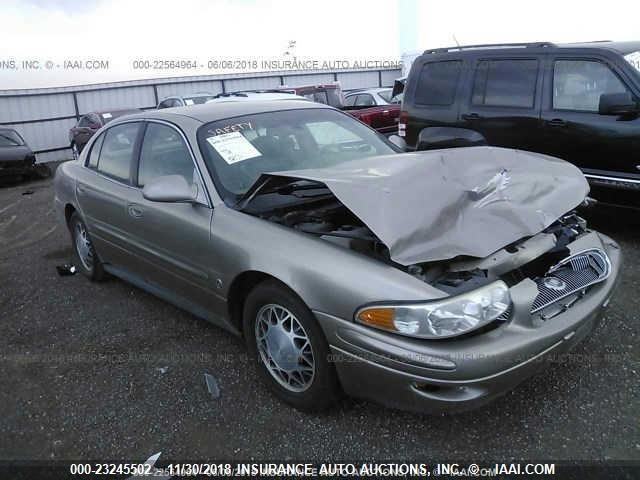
[107,371]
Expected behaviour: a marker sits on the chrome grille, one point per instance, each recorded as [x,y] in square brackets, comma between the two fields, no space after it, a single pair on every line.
[571,275]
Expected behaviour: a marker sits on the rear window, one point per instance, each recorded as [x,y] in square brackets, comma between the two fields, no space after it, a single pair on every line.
[634,59]
[9,138]
[505,83]
[116,154]
[199,100]
[438,83]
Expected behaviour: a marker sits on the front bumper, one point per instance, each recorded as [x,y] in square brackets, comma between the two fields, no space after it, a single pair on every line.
[463,373]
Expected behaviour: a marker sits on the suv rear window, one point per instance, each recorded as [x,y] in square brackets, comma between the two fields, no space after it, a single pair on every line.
[505,83]
[438,82]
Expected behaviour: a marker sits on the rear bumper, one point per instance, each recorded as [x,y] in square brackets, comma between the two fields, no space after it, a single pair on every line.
[16,167]
[456,375]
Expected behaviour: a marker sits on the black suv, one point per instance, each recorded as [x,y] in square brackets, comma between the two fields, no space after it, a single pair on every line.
[579,102]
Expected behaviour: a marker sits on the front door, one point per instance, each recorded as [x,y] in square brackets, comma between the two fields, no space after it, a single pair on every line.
[173,238]
[575,131]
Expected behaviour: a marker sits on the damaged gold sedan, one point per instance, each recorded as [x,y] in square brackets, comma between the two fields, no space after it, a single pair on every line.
[429,281]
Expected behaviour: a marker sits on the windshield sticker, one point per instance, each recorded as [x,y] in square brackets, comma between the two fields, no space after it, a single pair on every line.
[236,127]
[188,101]
[106,115]
[233,147]
[634,59]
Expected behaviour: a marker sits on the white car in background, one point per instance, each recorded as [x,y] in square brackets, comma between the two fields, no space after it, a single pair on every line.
[370,97]
[185,100]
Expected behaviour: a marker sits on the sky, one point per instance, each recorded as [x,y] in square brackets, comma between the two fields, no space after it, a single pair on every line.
[123,31]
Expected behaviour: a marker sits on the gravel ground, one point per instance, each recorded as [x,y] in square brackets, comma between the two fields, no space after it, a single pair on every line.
[107,371]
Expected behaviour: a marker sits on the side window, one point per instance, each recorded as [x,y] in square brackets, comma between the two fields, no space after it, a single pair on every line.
[177,103]
[365,100]
[164,153]
[95,152]
[164,104]
[84,122]
[117,151]
[350,101]
[505,83]
[438,82]
[578,84]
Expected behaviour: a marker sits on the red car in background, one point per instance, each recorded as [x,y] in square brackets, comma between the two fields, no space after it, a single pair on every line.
[376,107]
[89,124]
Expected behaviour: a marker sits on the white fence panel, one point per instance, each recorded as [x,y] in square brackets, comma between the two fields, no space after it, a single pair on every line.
[186,88]
[16,109]
[118,98]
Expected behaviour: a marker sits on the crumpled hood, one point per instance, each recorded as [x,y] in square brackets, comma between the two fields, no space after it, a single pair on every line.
[439,204]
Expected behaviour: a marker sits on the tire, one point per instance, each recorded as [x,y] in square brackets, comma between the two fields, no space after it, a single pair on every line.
[85,256]
[304,377]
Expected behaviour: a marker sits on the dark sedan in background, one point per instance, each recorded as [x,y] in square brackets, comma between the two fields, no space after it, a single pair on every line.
[16,158]
[89,124]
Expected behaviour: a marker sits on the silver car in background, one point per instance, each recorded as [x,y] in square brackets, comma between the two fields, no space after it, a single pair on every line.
[428,281]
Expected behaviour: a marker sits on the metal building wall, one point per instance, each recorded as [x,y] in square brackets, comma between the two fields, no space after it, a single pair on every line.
[44,116]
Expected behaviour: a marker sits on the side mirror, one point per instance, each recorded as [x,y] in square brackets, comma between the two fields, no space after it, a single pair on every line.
[398,142]
[398,87]
[617,104]
[433,138]
[170,188]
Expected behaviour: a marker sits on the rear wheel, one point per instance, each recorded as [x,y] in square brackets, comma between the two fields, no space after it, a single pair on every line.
[290,350]
[85,255]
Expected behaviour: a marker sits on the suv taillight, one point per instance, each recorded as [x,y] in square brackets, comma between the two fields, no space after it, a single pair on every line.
[402,124]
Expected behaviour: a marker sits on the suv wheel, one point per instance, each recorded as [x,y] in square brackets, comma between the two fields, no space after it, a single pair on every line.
[290,350]
[85,255]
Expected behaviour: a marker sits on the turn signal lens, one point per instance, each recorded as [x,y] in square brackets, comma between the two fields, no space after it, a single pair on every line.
[377,317]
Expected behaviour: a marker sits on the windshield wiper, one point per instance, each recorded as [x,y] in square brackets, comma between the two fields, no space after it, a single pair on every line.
[288,188]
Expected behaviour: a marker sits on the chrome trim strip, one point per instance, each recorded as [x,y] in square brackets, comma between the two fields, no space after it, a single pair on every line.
[611,179]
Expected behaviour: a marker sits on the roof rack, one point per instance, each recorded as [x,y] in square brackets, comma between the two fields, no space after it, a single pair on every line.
[231,94]
[491,45]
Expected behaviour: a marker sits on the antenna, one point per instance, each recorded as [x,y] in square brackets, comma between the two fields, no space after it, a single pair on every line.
[455,39]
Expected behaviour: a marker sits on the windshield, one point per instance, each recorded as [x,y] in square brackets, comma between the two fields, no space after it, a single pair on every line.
[634,59]
[10,138]
[238,150]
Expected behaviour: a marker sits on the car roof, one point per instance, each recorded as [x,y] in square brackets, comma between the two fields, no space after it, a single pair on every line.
[262,96]
[367,90]
[211,112]
[622,48]
[122,111]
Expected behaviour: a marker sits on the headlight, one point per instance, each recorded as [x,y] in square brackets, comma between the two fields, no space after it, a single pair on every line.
[440,318]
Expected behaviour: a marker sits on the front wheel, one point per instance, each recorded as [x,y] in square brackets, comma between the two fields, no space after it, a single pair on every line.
[290,350]
[85,254]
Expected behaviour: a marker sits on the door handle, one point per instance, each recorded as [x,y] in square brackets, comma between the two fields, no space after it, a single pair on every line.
[471,116]
[80,190]
[557,122]
[135,211]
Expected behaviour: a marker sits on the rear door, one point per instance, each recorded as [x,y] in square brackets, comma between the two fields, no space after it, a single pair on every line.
[172,238]
[503,101]
[575,131]
[103,188]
